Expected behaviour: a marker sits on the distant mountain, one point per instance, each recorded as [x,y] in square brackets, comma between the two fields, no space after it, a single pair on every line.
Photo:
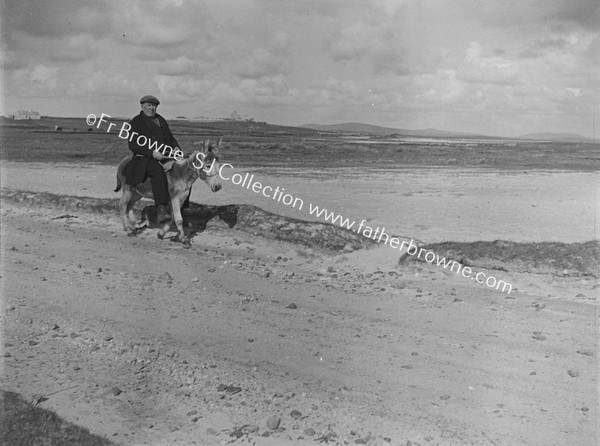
[559,137]
[356,127]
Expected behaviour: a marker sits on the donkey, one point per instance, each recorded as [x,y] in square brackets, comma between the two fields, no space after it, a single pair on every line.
[203,164]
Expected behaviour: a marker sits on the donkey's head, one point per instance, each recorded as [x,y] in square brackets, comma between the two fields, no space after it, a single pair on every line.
[206,163]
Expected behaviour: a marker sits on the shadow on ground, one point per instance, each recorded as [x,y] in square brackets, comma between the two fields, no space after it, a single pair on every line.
[320,236]
[562,259]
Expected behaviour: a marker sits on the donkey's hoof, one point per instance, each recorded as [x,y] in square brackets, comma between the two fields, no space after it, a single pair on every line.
[187,244]
[132,233]
[160,235]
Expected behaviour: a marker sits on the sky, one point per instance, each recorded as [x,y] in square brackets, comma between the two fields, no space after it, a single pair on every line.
[496,67]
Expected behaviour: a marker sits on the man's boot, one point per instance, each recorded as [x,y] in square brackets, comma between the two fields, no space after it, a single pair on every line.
[162,213]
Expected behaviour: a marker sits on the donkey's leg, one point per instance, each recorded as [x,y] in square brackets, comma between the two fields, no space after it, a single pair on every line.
[165,228]
[124,208]
[178,219]
[136,196]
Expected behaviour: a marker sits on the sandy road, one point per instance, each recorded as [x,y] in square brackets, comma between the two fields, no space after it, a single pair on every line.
[132,337]
[432,204]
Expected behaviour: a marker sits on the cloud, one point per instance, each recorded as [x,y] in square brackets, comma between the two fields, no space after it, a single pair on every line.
[181,66]
[44,77]
[259,64]
[268,61]
[529,13]
[379,47]
[53,19]
[482,69]
[389,61]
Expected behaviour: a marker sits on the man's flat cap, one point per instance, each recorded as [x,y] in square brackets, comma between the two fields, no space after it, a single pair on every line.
[149,98]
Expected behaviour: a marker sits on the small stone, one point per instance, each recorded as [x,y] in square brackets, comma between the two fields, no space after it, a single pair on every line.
[292,306]
[32,343]
[11,308]
[309,432]
[191,412]
[586,351]
[222,388]
[108,338]
[195,279]
[573,373]
[273,422]
[584,409]
[295,414]
[232,390]
[165,276]
[116,391]
[363,440]
[539,337]
[445,397]
[211,431]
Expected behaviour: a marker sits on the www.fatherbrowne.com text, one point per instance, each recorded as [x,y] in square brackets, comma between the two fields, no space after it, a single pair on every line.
[377,234]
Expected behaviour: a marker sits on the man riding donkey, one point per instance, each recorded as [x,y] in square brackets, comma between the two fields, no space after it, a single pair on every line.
[147,163]
[153,145]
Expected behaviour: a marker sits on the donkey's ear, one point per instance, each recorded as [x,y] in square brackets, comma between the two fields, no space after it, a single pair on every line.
[215,147]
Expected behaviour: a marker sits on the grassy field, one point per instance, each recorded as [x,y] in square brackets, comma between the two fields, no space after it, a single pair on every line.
[249,144]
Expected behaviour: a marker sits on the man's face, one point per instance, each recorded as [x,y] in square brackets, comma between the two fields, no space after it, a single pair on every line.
[149,109]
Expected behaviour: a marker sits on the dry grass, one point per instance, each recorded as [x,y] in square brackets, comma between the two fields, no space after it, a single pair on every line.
[569,259]
[25,424]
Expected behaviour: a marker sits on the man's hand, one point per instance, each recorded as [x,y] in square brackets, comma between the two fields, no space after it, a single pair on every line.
[157,155]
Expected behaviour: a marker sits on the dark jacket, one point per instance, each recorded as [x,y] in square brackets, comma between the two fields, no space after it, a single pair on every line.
[137,169]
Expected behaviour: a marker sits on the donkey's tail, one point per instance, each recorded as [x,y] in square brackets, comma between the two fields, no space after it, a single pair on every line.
[118,188]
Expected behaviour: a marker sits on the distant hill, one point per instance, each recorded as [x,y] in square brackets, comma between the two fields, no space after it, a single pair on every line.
[355,127]
[564,137]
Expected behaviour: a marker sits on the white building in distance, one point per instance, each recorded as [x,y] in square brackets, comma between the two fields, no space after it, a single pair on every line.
[26,115]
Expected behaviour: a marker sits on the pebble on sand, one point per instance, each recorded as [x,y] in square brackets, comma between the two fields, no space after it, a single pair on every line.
[292,306]
[273,422]
[165,276]
[586,351]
